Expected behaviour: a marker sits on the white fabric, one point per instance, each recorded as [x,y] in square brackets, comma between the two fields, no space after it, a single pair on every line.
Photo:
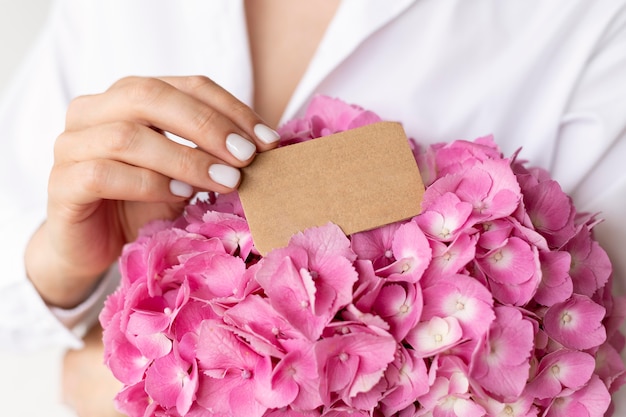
[549,76]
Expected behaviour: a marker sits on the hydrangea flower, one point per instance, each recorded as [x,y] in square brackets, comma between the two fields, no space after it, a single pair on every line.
[495,301]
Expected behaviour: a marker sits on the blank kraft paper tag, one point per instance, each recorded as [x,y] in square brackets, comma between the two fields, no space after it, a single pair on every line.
[359,179]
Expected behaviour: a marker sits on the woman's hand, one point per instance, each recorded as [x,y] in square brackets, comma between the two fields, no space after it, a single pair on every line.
[114,170]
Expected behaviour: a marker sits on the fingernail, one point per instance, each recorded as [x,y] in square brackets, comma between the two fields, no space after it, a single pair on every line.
[239,147]
[180,189]
[266,134]
[225,175]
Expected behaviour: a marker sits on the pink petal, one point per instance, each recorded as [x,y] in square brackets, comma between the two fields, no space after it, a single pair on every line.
[434,336]
[400,306]
[491,188]
[274,389]
[610,367]
[233,394]
[190,318]
[324,243]
[291,294]
[172,382]
[513,270]
[352,363]
[219,349]
[122,357]
[375,244]
[153,346]
[221,276]
[255,314]
[592,400]
[561,369]
[444,217]
[311,279]
[407,379]
[450,260]
[551,211]
[231,229]
[463,298]
[501,363]
[293,381]
[512,263]
[590,268]
[556,285]
[133,401]
[412,251]
[460,155]
[521,407]
[576,323]
[290,412]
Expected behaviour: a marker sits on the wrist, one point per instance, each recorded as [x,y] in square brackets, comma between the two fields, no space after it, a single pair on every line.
[58,282]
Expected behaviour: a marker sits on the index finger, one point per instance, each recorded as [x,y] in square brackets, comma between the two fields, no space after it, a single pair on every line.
[211,93]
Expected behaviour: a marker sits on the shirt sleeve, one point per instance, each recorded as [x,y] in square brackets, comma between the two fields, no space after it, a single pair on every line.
[32,115]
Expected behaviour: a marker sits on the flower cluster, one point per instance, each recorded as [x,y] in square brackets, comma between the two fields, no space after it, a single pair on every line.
[494,301]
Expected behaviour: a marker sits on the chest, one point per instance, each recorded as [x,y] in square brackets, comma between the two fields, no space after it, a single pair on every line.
[283,37]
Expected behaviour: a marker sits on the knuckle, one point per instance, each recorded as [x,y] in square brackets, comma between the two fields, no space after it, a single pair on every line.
[240,110]
[124,81]
[194,82]
[203,120]
[75,109]
[96,176]
[143,89]
[144,187]
[122,137]
[59,147]
[187,162]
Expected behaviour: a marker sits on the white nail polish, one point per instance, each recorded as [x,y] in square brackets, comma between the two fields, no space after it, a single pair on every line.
[180,189]
[225,175]
[239,147]
[266,134]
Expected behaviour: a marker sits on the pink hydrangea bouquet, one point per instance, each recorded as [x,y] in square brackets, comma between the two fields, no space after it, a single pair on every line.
[494,301]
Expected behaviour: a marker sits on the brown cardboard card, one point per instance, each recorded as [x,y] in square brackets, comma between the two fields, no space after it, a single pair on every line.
[359,179]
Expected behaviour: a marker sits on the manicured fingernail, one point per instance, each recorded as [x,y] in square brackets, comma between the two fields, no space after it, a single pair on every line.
[181,189]
[266,134]
[239,147]
[225,175]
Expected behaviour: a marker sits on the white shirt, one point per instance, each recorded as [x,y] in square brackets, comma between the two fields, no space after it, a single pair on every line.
[548,76]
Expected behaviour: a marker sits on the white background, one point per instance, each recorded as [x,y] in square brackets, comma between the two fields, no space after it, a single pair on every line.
[29,383]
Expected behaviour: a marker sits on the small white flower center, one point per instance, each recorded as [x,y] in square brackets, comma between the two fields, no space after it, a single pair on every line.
[246,374]
[508,410]
[167,311]
[460,306]
[445,233]
[388,254]
[343,356]
[566,318]
[447,256]
[404,308]
[480,206]
[438,338]
[498,256]
[555,369]
[405,267]
[304,304]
